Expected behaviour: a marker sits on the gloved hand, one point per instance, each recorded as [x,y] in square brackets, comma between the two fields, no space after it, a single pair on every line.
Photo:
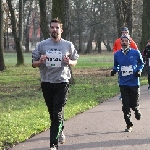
[113,72]
[138,74]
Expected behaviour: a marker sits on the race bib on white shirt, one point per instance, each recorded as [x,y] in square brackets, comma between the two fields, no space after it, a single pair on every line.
[54,58]
[126,70]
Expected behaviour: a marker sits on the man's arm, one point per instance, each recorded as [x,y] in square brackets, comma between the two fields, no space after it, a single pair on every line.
[116,66]
[36,64]
[68,61]
[39,62]
[72,62]
[140,62]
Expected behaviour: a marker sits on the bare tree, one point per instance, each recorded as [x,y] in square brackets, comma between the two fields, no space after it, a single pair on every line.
[78,16]
[137,21]
[145,24]
[123,14]
[43,19]
[20,20]
[67,20]
[93,23]
[18,43]
[2,64]
[61,9]
[27,26]
[58,9]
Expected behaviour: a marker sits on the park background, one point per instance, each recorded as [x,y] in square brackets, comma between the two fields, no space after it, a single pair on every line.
[92,26]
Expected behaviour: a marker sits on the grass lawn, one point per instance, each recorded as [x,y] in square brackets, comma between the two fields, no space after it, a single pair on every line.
[22,109]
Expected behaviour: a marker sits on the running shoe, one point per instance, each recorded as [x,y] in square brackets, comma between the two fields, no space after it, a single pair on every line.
[128,129]
[149,89]
[138,115]
[120,98]
[61,138]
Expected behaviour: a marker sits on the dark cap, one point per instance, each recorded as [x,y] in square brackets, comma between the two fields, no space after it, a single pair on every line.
[148,40]
[124,29]
[125,36]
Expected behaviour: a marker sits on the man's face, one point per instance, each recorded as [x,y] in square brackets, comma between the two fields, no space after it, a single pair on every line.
[125,43]
[124,32]
[55,30]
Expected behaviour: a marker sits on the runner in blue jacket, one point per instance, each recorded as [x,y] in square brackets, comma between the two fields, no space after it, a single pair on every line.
[129,64]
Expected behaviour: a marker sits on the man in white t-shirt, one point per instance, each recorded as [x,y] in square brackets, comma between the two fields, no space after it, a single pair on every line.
[53,56]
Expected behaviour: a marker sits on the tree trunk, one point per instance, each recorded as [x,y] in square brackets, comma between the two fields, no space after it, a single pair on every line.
[26,30]
[58,9]
[80,42]
[124,14]
[99,45]
[145,24]
[2,64]
[67,20]
[20,20]
[18,43]
[107,45]
[89,45]
[61,9]
[43,19]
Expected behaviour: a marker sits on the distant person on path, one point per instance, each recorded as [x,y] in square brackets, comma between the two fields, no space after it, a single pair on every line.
[117,44]
[128,63]
[53,57]
[146,55]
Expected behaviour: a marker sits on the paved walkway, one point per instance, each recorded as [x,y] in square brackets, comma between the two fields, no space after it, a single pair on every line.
[100,128]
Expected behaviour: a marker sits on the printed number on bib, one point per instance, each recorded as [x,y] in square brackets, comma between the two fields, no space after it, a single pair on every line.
[54,58]
[126,70]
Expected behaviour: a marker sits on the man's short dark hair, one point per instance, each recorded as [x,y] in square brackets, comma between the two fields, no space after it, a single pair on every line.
[56,20]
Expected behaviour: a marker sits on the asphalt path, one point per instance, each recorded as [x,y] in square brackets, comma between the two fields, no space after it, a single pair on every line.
[101,128]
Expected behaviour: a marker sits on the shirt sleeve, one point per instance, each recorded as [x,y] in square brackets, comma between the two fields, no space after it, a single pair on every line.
[36,54]
[116,64]
[140,61]
[74,55]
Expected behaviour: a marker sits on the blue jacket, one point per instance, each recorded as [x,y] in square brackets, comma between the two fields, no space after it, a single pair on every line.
[127,65]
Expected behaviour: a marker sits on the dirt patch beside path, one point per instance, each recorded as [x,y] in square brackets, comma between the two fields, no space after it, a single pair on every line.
[93,71]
